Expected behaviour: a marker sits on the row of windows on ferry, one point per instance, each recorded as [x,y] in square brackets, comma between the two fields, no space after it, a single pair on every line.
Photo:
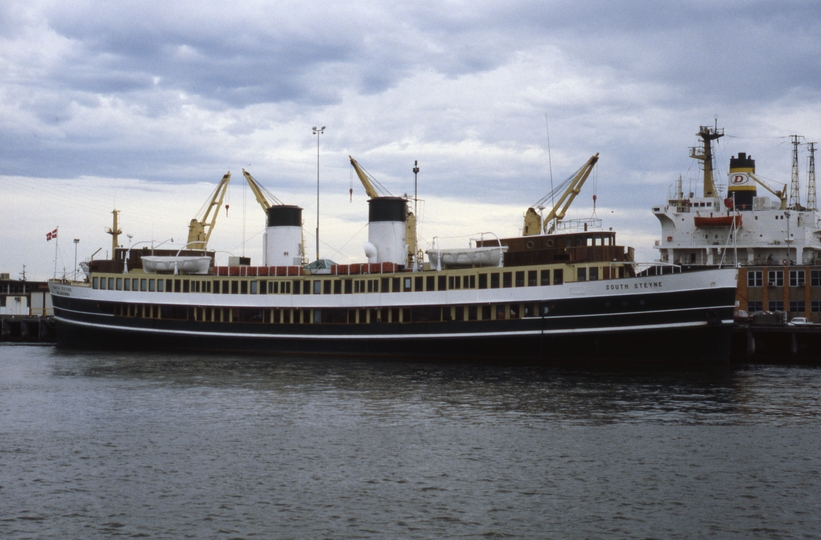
[486,312]
[492,280]
[796,306]
[775,278]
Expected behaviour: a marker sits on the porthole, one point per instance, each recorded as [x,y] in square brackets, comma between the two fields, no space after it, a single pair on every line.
[530,244]
[549,242]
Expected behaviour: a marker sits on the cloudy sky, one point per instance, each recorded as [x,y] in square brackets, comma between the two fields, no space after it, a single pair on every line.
[142,106]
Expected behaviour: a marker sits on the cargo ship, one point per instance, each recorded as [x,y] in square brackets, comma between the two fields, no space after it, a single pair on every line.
[558,292]
[759,226]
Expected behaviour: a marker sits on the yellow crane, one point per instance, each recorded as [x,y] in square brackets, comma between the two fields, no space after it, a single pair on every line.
[260,192]
[368,182]
[781,194]
[200,228]
[568,189]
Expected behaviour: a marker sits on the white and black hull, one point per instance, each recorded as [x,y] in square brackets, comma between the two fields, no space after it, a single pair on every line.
[655,318]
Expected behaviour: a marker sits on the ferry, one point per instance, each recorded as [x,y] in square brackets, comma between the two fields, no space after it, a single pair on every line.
[568,294]
[775,243]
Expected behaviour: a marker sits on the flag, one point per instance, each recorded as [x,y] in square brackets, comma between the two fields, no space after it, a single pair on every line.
[50,235]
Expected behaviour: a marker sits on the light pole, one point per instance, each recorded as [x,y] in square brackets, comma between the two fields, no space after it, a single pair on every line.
[76,241]
[317,132]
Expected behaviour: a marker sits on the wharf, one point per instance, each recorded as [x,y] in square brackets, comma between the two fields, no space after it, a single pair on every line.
[27,329]
[777,343]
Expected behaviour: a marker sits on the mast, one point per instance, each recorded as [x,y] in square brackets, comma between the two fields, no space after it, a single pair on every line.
[811,203]
[414,259]
[679,194]
[705,155]
[115,233]
[795,194]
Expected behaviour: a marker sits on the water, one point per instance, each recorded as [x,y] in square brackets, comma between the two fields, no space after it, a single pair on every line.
[132,445]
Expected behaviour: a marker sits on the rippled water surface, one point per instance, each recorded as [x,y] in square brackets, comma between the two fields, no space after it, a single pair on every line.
[132,445]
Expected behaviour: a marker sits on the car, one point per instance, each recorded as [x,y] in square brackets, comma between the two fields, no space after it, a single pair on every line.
[799,321]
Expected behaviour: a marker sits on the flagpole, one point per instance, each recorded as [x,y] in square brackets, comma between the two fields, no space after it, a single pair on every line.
[56,243]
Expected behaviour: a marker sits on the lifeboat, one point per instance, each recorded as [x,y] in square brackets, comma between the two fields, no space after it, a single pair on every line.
[176,265]
[468,257]
[719,221]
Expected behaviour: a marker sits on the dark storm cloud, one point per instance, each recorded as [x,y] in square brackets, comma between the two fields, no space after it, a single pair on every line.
[268,54]
[233,58]
[131,62]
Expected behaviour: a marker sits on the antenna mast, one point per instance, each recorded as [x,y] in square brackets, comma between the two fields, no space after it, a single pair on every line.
[795,194]
[811,203]
[416,257]
[115,233]
[705,155]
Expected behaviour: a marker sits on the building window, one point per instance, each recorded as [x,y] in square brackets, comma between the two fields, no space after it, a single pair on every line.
[776,305]
[797,306]
[797,278]
[815,278]
[755,305]
[775,278]
[816,306]
[755,278]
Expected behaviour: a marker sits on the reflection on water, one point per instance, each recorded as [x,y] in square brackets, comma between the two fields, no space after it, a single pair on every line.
[116,444]
[583,396]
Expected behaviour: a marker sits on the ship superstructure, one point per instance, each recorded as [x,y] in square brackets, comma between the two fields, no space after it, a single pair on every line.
[775,240]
